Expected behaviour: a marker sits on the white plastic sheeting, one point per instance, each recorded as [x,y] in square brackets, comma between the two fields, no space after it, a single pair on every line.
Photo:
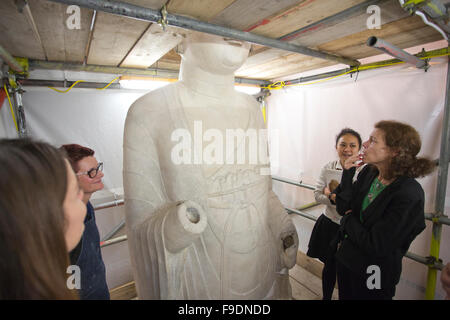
[308,118]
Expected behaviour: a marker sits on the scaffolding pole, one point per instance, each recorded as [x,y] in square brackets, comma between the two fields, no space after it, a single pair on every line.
[441,190]
[10,61]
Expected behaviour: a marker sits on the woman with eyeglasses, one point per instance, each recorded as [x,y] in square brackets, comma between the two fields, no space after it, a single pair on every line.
[87,255]
[383,211]
[41,220]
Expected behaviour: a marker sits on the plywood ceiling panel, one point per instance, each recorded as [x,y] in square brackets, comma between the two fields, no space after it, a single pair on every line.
[326,33]
[151,4]
[60,42]
[203,10]
[301,15]
[17,37]
[411,39]
[248,14]
[170,61]
[153,44]
[404,33]
[113,38]
[404,27]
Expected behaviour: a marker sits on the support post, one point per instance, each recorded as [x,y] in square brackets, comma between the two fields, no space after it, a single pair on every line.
[20,112]
[440,192]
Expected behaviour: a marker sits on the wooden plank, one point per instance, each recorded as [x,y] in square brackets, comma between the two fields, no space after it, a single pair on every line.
[310,264]
[151,4]
[303,14]
[307,279]
[113,38]
[407,32]
[300,292]
[124,292]
[249,14]
[170,61]
[17,37]
[294,68]
[117,38]
[153,45]
[338,28]
[203,10]
[391,11]
[310,281]
[273,68]
[60,42]
[406,29]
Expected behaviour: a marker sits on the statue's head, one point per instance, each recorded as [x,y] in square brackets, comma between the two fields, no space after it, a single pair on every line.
[213,53]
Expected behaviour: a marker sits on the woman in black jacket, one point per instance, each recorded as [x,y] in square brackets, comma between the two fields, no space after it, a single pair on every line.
[383,211]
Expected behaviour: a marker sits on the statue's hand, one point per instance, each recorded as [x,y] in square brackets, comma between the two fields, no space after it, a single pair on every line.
[289,241]
[185,222]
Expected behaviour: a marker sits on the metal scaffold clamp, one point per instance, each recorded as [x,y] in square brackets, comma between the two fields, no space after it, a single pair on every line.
[163,21]
[434,262]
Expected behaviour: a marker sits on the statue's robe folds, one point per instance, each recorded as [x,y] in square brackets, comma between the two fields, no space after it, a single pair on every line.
[233,249]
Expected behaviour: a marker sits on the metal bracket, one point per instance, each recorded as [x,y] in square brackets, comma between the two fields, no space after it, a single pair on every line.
[163,21]
[427,64]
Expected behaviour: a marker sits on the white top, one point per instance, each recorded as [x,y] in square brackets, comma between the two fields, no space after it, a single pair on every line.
[332,170]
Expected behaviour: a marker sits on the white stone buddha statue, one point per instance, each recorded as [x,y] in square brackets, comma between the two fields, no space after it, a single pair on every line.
[202,219]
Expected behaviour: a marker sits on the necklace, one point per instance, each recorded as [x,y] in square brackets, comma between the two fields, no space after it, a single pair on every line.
[375,189]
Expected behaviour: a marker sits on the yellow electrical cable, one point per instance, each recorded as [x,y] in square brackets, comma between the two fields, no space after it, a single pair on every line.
[10,106]
[281,84]
[108,84]
[67,90]
[76,82]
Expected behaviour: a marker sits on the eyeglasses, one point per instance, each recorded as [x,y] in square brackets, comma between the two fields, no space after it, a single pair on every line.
[93,172]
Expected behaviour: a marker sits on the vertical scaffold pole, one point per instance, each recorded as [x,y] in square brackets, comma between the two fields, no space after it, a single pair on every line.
[440,192]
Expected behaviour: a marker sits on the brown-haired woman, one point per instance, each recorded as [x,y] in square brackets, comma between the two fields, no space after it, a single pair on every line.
[383,211]
[41,219]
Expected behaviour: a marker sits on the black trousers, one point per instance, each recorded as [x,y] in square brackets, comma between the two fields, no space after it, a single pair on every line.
[328,278]
[354,287]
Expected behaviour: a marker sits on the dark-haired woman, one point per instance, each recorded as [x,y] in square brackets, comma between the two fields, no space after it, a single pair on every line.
[383,212]
[348,143]
[41,220]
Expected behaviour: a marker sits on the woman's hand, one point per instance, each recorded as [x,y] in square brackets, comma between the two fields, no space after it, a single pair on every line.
[352,162]
[326,191]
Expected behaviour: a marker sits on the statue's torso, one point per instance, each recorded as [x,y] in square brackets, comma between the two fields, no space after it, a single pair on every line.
[238,240]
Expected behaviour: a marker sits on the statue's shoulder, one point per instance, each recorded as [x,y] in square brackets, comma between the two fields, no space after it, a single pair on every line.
[248,100]
[151,106]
